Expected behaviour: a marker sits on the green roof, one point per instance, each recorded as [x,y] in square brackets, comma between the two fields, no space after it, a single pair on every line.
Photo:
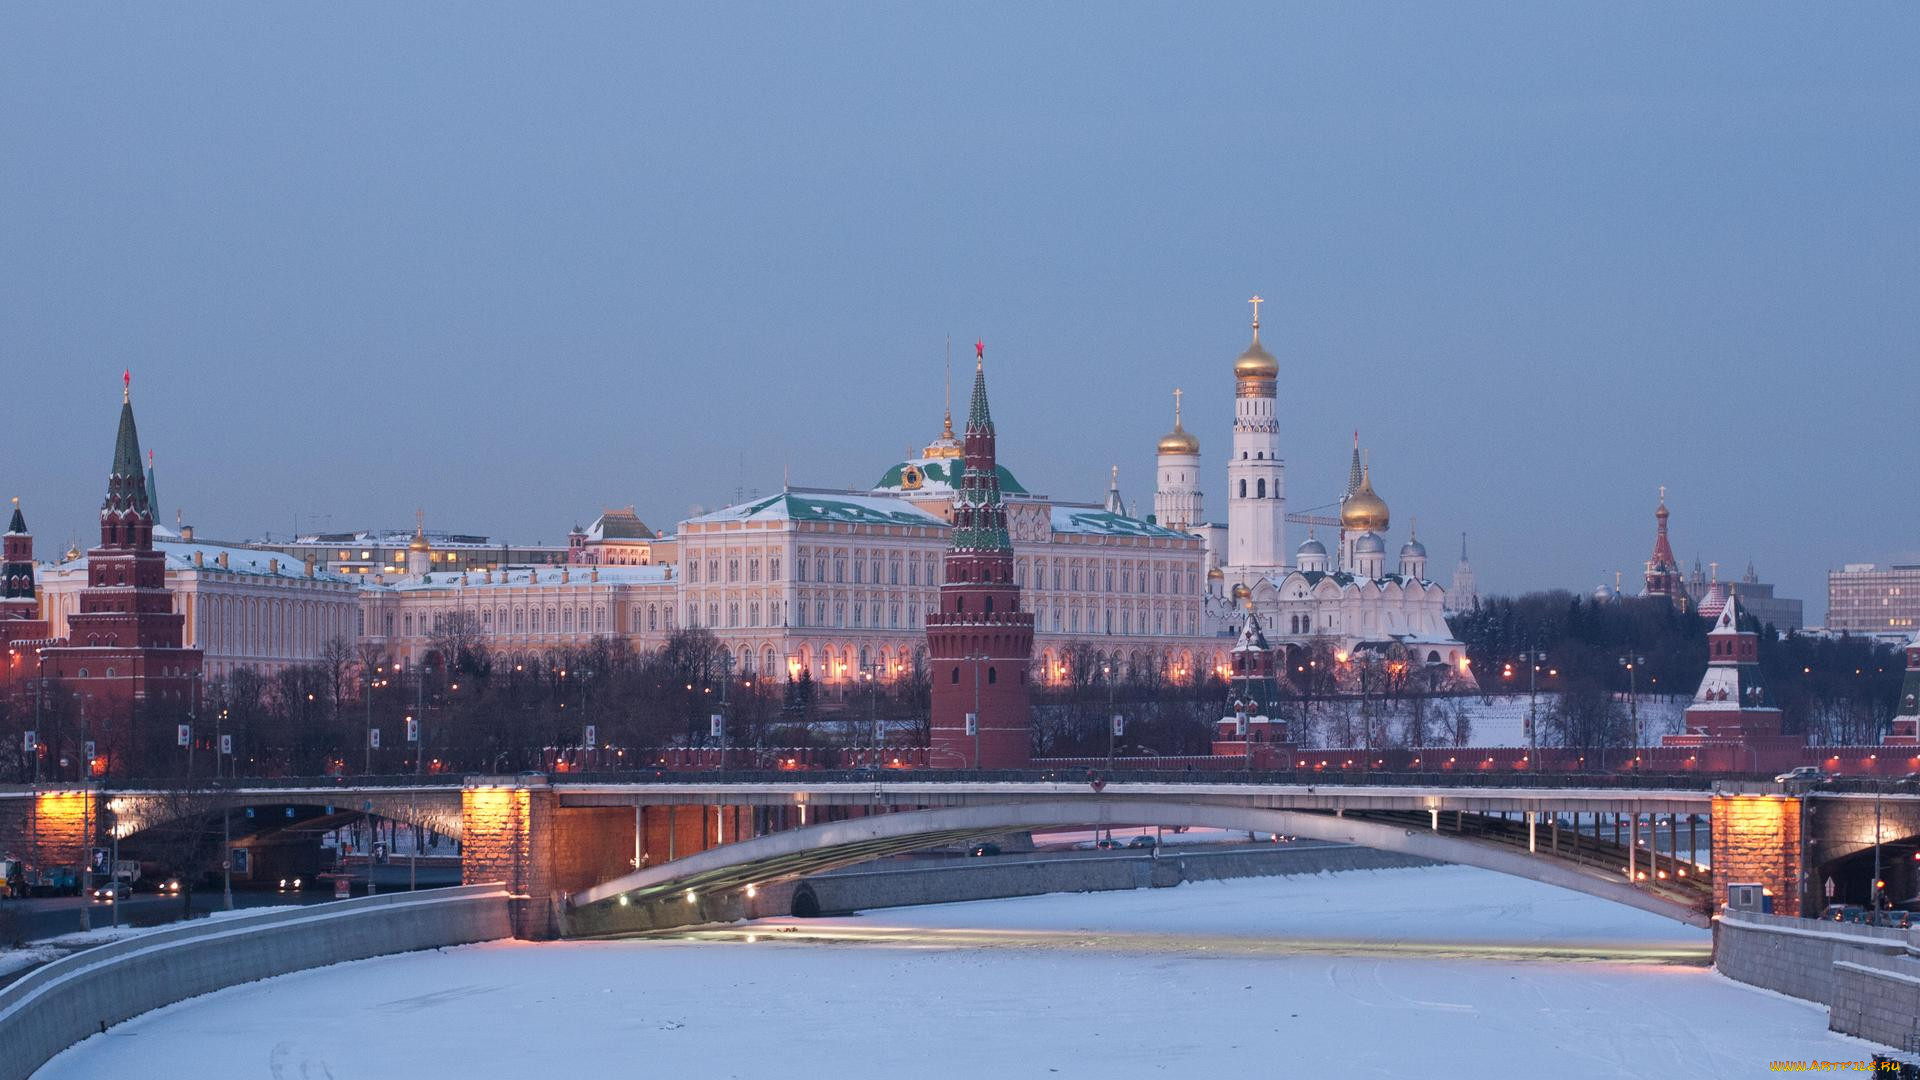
[844,509]
[942,473]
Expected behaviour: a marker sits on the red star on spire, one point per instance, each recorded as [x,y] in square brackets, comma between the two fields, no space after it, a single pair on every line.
[979,349]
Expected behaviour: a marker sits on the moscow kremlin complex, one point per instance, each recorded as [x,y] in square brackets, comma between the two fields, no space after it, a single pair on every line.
[948,570]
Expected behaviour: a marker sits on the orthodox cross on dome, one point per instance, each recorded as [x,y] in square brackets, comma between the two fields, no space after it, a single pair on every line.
[1176,406]
[1256,302]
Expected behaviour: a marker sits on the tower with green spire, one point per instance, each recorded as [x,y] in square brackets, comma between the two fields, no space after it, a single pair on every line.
[125,646]
[979,643]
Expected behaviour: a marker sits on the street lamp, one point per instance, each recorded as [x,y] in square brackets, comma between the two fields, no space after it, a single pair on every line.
[976,661]
[873,707]
[1534,658]
[1633,663]
[1113,718]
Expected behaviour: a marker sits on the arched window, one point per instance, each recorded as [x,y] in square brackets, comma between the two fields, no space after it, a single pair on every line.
[1243,488]
[1260,489]
[993,674]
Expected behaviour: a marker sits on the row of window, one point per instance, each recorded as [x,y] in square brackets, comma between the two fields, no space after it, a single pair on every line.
[733,568]
[514,620]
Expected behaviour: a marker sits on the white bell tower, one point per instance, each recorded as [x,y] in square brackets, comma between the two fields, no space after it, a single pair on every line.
[1256,477]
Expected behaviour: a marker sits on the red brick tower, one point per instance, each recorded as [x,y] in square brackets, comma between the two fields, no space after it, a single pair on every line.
[979,643]
[17,600]
[22,630]
[1733,720]
[123,654]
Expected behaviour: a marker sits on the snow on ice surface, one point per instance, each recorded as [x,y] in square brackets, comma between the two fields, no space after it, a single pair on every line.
[1173,982]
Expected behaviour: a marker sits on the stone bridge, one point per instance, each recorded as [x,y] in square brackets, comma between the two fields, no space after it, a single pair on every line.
[575,850]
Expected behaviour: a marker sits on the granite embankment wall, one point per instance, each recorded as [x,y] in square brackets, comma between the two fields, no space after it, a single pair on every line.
[53,1007]
[1867,976]
[897,884]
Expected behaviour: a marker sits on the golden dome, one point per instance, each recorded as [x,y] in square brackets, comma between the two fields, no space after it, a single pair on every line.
[1256,362]
[1364,510]
[1179,440]
[1214,573]
[1241,592]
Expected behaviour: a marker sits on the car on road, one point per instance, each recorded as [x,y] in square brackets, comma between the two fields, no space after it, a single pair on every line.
[1143,842]
[1800,774]
[112,892]
[984,849]
[290,885]
[169,887]
[1898,920]
[1108,843]
[1850,913]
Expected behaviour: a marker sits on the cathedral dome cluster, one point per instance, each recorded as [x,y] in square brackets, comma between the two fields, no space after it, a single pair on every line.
[1345,590]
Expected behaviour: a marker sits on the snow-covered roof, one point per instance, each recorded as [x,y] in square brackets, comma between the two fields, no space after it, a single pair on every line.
[618,524]
[800,504]
[1101,522]
[240,560]
[520,577]
[393,538]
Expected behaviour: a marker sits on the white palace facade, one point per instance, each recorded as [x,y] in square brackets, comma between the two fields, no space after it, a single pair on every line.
[836,583]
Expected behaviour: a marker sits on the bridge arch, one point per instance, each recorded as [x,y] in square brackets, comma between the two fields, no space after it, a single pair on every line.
[137,813]
[814,848]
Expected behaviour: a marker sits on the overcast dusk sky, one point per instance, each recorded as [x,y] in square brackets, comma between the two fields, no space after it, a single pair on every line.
[513,264]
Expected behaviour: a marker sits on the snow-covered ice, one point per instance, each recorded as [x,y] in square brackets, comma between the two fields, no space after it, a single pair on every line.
[1435,972]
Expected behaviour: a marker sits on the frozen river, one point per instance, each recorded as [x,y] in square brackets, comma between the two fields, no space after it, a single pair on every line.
[1440,972]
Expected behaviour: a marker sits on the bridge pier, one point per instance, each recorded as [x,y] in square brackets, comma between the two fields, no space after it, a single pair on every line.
[50,826]
[1756,840]
[515,829]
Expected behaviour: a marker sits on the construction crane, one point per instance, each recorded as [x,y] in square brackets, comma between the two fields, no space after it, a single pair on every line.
[1308,517]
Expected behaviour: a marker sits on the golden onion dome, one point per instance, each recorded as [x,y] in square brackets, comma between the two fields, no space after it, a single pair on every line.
[1241,592]
[1364,511]
[1256,362]
[1214,573]
[1179,441]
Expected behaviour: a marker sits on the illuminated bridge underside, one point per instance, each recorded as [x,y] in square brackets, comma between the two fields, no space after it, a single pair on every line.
[821,847]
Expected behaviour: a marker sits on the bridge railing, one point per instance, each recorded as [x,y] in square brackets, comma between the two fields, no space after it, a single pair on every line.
[1120,774]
